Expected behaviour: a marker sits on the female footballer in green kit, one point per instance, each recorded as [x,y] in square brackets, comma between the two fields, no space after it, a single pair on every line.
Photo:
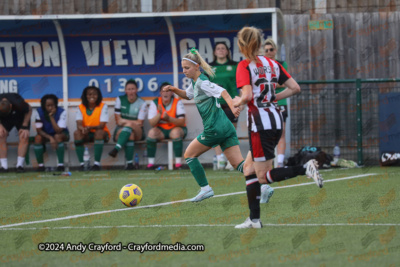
[218,130]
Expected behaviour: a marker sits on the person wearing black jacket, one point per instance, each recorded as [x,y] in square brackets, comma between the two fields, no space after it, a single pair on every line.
[14,112]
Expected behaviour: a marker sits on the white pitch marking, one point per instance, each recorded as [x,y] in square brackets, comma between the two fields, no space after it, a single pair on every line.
[103,178]
[7,176]
[163,204]
[295,185]
[99,178]
[197,225]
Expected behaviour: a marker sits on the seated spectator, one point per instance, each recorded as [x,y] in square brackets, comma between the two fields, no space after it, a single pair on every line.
[130,112]
[14,112]
[51,126]
[91,122]
[167,117]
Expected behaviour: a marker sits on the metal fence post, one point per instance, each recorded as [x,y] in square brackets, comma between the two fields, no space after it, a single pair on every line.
[359,123]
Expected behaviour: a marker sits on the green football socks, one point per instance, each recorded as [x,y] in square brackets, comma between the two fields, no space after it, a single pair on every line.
[178,146]
[151,147]
[129,149]
[123,137]
[79,148]
[39,153]
[240,166]
[197,170]
[60,153]
[98,149]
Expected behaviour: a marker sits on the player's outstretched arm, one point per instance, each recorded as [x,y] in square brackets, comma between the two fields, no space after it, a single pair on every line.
[228,99]
[179,92]
[246,96]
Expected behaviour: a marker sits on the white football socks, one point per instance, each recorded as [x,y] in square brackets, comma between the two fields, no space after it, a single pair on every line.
[206,188]
[4,163]
[281,158]
[20,161]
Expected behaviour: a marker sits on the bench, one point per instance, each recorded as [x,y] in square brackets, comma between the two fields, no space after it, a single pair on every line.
[170,151]
[67,144]
[165,141]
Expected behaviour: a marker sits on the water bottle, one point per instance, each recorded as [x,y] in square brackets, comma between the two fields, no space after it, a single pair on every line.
[145,156]
[336,152]
[86,159]
[160,168]
[283,53]
[137,161]
[336,155]
[215,163]
[222,162]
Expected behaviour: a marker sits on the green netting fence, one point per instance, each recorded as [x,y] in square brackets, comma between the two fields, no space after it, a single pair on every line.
[343,112]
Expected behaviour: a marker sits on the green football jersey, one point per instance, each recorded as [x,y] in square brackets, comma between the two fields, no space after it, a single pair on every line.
[205,94]
[130,111]
[225,76]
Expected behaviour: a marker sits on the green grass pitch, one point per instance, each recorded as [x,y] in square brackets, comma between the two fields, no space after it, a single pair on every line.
[353,221]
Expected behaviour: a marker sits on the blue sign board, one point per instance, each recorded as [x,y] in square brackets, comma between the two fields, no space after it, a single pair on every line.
[106,52]
[389,122]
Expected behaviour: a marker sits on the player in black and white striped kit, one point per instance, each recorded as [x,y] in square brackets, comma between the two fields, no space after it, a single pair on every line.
[258,77]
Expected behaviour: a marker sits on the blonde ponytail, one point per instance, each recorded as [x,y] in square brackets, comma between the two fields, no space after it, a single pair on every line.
[195,56]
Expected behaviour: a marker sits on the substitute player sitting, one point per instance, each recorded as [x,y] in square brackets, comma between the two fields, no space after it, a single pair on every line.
[130,112]
[167,116]
[51,126]
[91,121]
[218,130]
[14,112]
